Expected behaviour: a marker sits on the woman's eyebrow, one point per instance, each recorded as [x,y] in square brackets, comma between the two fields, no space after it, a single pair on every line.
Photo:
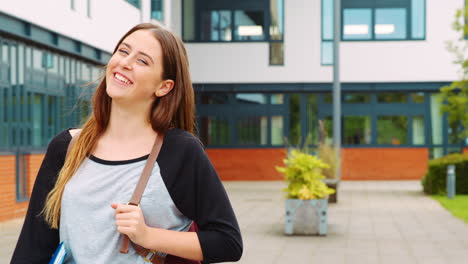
[141,52]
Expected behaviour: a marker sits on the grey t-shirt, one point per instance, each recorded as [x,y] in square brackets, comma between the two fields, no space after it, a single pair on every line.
[87,223]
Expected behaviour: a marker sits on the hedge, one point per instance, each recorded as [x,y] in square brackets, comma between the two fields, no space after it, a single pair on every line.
[434,182]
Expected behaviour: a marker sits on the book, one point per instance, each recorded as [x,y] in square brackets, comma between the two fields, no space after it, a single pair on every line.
[59,254]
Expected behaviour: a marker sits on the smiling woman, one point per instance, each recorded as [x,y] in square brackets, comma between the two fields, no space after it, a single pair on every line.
[146,99]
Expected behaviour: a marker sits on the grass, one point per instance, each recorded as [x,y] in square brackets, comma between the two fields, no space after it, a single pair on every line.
[457,206]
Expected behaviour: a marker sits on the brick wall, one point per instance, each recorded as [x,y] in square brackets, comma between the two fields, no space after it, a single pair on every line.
[358,163]
[9,207]
[384,163]
[247,164]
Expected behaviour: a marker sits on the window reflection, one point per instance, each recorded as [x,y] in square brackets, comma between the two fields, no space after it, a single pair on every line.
[251,98]
[357,23]
[252,130]
[390,23]
[217,25]
[392,130]
[248,25]
[357,130]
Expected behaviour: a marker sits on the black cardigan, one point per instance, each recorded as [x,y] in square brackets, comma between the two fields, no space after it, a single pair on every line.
[190,178]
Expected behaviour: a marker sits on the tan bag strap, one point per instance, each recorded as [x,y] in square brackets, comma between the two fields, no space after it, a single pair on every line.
[140,187]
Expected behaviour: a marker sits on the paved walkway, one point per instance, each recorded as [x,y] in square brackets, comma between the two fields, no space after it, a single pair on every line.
[373,222]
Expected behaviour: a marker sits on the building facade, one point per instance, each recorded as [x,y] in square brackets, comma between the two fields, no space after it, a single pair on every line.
[262,73]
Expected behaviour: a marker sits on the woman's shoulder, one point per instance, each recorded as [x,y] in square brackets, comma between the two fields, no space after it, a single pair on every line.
[184,141]
[62,139]
[181,136]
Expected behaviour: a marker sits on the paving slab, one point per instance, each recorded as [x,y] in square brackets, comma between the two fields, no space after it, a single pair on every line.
[374,222]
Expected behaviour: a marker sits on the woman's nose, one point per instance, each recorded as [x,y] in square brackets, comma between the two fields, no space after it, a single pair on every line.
[126,62]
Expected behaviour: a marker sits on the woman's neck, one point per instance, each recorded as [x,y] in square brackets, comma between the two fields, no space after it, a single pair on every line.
[128,123]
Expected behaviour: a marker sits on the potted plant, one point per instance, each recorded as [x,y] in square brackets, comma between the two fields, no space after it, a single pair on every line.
[306,204]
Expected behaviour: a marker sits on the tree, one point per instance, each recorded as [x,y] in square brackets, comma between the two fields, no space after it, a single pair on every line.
[455,95]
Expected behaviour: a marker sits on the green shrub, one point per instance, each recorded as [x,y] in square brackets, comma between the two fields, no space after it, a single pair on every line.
[435,180]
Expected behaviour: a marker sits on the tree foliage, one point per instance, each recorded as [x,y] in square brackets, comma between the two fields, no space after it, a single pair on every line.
[455,95]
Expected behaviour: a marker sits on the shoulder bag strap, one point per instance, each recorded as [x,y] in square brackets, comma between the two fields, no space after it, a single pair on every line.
[140,187]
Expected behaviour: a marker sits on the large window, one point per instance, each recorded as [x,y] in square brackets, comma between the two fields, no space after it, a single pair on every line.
[224,20]
[383,20]
[241,119]
[373,20]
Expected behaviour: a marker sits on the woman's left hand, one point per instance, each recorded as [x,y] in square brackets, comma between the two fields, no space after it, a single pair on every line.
[130,221]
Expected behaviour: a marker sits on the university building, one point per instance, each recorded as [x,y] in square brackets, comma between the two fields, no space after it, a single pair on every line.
[262,72]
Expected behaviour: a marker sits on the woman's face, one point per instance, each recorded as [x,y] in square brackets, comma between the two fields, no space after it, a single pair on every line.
[134,72]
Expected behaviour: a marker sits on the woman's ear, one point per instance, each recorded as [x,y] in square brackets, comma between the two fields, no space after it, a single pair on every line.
[165,88]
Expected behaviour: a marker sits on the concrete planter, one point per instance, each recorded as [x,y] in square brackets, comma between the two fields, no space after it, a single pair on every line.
[332,184]
[306,217]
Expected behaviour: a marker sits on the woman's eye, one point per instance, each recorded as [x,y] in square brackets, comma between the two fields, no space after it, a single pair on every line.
[143,61]
[123,51]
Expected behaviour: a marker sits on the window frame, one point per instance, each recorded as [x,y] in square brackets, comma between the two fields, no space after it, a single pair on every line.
[374,7]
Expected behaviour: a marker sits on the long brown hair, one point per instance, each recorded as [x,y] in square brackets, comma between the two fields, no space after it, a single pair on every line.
[174,110]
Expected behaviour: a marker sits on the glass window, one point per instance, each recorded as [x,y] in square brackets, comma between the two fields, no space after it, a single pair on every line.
[38,106]
[72,70]
[356,98]
[357,130]
[157,9]
[380,20]
[13,65]
[294,119]
[54,66]
[216,25]
[328,98]
[215,98]
[21,67]
[392,130]
[189,20]
[4,52]
[85,72]
[277,99]
[215,130]
[135,3]
[326,134]
[436,121]
[327,52]
[251,98]
[390,23]
[276,53]
[312,119]
[248,25]
[357,23]
[327,19]
[277,136]
[418,26]
[417,97]
[252,130]
[418,130]
[396,97]
[37,59]
[277,19]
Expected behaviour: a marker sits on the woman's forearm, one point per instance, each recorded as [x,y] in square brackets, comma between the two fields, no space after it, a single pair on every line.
[177,243]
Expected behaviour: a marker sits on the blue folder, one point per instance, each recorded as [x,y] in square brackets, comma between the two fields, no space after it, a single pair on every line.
[59,255]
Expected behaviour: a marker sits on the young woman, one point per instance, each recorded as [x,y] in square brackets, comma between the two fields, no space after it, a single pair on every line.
[81,199]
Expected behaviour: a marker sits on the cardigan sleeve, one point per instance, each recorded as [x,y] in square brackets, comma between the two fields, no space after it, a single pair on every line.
[37,241]
[199,194]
